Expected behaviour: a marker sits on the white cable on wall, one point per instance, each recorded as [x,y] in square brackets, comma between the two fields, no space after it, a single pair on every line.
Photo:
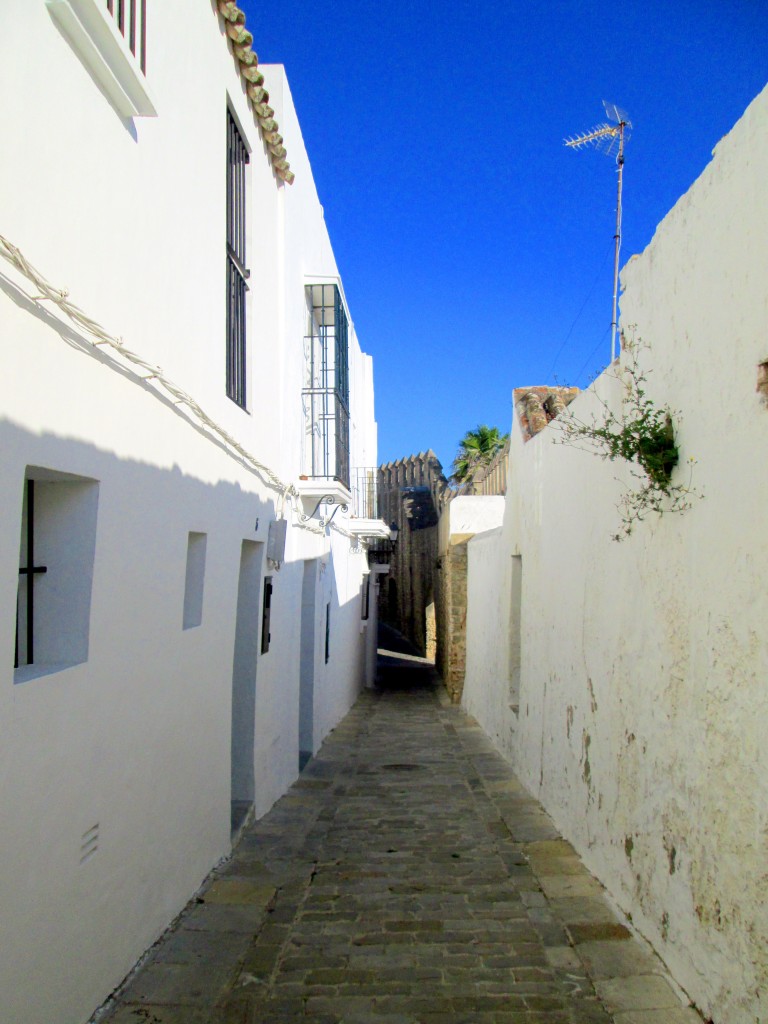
[152,374]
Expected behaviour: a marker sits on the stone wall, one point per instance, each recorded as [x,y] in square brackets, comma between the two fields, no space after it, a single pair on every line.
[411,492]
[425,594]
[451,617]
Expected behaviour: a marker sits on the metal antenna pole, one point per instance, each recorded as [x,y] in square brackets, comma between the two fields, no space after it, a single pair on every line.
[617,239]
[609,138]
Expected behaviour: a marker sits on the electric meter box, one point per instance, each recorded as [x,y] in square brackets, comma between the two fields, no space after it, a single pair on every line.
[278,530]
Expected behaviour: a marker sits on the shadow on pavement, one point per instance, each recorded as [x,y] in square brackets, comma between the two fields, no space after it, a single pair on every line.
[399,664]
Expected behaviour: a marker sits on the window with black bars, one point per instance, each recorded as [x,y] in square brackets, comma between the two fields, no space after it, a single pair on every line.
[266,615]
[27,575]
[131,20]
[237,272]
[325,393]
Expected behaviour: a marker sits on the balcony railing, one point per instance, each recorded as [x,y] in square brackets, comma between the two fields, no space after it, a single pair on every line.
[365,503]
[325,391]
[380,552]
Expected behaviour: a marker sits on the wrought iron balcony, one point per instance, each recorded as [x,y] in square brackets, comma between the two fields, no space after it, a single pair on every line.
[365,503]
[325,394]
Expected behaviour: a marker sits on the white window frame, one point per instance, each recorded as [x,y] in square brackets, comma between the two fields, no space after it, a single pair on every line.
[96,39]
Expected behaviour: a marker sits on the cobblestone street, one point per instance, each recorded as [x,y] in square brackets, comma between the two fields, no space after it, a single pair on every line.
[406,878]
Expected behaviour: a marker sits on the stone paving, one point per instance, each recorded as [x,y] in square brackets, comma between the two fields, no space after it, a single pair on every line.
[406,878]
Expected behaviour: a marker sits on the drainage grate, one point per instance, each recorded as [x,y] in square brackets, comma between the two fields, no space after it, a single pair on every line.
[374,769]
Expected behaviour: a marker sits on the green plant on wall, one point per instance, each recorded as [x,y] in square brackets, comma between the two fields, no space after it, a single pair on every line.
[641,435]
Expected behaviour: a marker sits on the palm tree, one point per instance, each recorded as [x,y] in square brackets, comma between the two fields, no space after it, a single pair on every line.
[477,448]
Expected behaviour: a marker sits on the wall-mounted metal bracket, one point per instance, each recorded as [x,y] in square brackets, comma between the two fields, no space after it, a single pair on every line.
[327,499]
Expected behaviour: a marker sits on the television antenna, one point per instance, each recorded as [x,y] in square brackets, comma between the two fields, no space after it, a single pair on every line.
[610,139]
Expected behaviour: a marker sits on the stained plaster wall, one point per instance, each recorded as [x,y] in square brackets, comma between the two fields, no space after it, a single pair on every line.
[129,215]
[643,696]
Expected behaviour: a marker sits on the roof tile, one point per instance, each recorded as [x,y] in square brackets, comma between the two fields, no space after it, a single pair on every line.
[242,41]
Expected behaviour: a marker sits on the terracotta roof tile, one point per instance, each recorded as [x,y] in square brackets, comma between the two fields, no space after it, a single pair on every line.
[242,41]
[538,406]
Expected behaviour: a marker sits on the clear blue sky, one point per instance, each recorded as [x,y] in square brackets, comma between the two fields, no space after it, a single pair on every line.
[468,238]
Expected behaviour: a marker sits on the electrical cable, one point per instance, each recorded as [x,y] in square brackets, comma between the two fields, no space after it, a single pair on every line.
[154,374]
[597,346]
[583,307]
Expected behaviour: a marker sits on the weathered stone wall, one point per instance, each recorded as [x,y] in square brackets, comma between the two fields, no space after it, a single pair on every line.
[431,631]
[426,591]
[411,491]
[451,615]
[412,572]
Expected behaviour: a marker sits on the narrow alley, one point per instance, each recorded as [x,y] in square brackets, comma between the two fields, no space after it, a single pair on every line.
[405,878]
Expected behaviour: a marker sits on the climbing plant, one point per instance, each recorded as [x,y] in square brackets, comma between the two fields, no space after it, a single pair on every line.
[642,435]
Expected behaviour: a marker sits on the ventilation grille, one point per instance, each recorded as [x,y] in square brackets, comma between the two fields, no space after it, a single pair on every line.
[89,843]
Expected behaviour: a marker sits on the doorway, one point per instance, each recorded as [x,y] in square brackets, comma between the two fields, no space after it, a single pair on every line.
[307,670]
[244,683]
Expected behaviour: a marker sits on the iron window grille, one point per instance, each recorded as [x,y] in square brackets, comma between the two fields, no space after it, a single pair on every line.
[27,574]
[364,493]
[380,552]
[327,632]
[131,20]
[325,394]
[237,272]
[266,615]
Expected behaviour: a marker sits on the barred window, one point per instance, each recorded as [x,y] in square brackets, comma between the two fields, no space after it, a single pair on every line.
[237,272]
[325,393]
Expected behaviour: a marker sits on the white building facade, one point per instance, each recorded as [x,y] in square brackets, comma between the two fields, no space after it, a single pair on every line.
[629,688]
[184,578]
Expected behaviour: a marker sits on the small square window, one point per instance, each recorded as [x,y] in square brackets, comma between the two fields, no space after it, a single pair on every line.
[56,556]
[195,580]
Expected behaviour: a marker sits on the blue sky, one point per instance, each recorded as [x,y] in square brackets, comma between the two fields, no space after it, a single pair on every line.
[476,251]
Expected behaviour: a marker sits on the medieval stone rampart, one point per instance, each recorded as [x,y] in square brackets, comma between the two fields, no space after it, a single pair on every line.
[425,595]
[411,492]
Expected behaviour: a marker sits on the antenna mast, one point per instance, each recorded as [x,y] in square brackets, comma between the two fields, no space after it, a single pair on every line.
[610,138]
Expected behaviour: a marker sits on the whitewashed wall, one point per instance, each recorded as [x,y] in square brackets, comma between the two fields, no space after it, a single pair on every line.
[467,515]
[129,215]
[487,684]
[643,699]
